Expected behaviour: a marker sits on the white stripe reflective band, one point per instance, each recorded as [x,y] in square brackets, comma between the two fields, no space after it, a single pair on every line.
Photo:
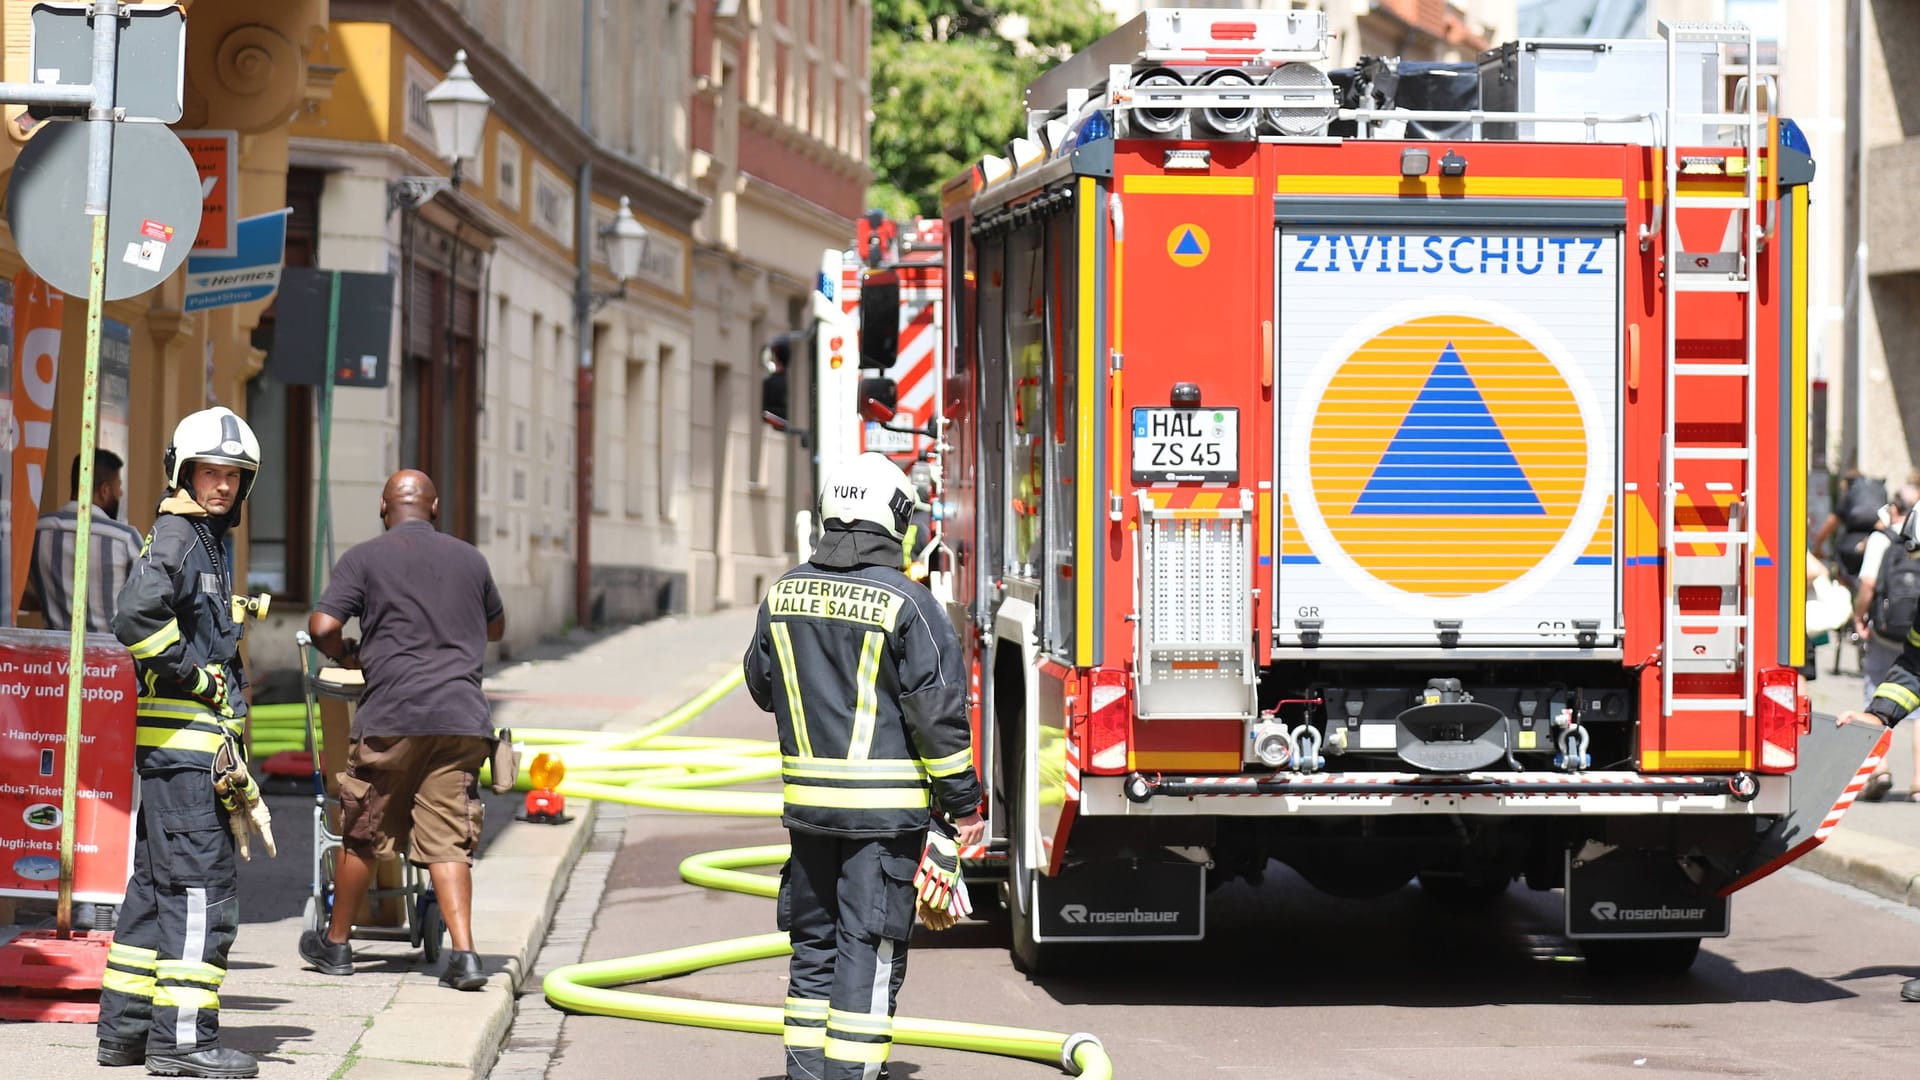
[870,769]
[867,704]
[882,983]
[193,950]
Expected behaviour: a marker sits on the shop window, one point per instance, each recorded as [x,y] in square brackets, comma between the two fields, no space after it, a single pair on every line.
[279,518]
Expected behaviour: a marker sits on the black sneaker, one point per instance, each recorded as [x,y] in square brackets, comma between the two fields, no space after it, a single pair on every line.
[214,1061]
[463,971]
[326,957]
[1910,990]
[113,1053]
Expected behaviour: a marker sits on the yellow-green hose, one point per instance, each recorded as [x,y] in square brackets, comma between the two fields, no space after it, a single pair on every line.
[651,768]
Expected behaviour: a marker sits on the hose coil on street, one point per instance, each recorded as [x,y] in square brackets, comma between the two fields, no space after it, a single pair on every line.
[651,768]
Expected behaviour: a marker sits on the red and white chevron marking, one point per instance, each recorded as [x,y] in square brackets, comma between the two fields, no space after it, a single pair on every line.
[1852,791]
[1073,769]
[915,369]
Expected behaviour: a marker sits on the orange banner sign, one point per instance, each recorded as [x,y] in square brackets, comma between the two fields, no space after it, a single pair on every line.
[36,370]
[214,154]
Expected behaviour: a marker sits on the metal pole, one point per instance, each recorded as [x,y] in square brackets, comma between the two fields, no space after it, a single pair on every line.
[323,499]
[106,38]
[583,334]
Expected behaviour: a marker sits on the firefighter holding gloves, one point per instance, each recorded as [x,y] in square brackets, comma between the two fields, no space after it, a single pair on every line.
[160,1002]
[1898,696]
[862,672]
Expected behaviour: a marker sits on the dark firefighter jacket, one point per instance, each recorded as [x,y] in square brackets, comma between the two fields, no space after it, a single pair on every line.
[175,615]
[1899,694]
[863,673]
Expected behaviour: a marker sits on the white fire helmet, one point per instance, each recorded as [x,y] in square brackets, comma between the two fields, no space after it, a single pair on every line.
[217,435]
[868,488]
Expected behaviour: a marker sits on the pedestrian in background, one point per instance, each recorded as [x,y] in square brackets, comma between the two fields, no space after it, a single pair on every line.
[862,672]
[112,547]
[427,607]
[160,1001]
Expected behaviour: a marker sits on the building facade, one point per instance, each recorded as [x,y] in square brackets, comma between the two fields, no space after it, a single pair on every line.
[779,135]
[737,134]
[247,70]
[485,388]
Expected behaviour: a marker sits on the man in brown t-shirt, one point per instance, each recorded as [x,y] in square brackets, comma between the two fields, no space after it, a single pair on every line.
[427,608]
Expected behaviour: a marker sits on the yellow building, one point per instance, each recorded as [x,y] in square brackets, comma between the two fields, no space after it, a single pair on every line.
[247,72]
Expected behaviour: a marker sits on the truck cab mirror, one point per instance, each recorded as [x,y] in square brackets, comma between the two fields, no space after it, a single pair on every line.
[879,319]
[879,399]
[773,400]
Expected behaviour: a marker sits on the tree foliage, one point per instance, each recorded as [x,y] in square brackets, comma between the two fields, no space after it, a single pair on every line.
[947,83]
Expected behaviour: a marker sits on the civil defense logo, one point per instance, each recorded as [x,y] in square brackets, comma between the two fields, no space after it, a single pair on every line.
[1447,456]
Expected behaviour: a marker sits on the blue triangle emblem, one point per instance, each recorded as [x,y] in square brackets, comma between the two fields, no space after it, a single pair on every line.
[1188,245]
[1449,456]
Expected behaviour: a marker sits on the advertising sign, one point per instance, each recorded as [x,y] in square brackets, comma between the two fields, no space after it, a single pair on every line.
[33,737]
[252,274]
[37,310]
[214,156]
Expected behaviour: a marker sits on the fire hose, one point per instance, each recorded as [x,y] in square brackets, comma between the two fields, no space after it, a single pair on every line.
[655,769]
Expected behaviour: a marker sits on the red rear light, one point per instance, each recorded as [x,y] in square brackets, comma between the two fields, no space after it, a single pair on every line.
[1109,721]
[1782,715]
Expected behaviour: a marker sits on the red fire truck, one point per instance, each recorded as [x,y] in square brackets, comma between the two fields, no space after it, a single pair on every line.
[869,370]
[1399,493]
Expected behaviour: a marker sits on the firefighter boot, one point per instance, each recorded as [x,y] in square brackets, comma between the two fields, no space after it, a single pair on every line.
[113,1053]
[214,1061]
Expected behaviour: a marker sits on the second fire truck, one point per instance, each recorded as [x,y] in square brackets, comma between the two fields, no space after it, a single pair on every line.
[1396,494]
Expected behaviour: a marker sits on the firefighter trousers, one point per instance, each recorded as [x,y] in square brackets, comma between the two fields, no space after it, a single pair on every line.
[169,951]
[847,906]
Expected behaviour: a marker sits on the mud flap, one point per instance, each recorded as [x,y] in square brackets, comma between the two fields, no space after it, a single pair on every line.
[1122,900]
[1835,764]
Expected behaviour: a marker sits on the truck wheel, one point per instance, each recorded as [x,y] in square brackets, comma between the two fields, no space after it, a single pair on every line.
[1614,957]
[1029,955]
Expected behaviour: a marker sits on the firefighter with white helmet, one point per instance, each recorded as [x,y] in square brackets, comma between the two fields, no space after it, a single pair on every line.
[862,671]
[177,614]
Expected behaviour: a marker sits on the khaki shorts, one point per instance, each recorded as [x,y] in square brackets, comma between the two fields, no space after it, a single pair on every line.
[418,793]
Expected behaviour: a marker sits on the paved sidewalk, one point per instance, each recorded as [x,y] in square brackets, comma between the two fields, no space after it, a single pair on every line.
[392,1019]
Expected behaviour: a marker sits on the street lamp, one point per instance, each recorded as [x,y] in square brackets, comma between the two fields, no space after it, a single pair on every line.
[458,109]
[626,241]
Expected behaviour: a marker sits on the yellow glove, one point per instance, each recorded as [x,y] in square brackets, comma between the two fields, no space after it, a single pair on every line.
[210,687]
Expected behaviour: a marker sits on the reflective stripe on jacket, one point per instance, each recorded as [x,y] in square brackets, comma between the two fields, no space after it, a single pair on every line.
[862,672]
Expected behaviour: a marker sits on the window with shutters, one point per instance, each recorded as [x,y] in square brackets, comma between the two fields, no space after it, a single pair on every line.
[439,372]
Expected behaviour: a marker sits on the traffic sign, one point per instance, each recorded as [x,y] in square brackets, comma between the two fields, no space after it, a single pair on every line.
[154,191]
[364,326]
[149,79]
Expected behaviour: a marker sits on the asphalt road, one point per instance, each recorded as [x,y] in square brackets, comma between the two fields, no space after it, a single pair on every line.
[1295,984]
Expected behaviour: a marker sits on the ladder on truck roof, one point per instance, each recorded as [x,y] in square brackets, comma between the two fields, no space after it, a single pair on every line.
[1702,637]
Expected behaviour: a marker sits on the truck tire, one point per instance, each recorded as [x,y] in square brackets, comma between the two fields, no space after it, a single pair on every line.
[1030,956]
[1625,957]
